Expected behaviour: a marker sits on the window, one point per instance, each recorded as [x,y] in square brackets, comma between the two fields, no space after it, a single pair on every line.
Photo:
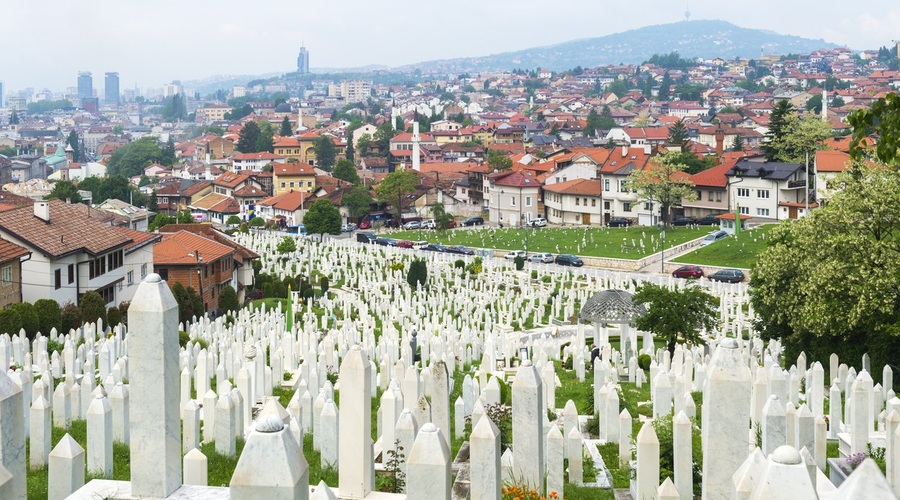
[512,200]
[57,279]
[745,210]
[71,273]
[606,184]
[605,205]
[130,278]
[7,275]
[143,271]
[623,186]
[108,293]
[762,193]
[292,184]
[593,202]
[114,260]
[627,207]
[528,201]
[163,273]
[98,267]
[577,201]
[762,212]
[283,184]
[718,196]
[743,192]
[710,196]
[647,206]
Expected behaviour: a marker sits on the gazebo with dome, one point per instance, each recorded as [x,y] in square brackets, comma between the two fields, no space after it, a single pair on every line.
[613,307]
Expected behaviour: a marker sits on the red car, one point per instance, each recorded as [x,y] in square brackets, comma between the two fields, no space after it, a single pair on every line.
[688,272]
[404,244]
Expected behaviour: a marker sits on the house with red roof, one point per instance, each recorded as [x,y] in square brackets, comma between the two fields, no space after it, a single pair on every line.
[827,165]
[196,262]
[712,191]
[254,161]
[618,198]
[576,201]
[512,197]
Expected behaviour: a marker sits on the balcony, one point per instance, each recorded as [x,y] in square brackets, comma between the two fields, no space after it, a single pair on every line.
[796,184]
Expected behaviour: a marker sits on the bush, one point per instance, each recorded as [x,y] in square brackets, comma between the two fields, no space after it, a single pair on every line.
[257,222]
[520,262]
[48,312]
[70,317]
[228,300]
[323,284]
[10,322]
[29,318]
[93,307]
[644,361]
[114,316]
[534,274]
[663,428]
[183,338]
[418,274]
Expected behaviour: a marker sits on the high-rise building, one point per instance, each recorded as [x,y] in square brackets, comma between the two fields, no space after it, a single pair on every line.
[303,61]
[111,89]
[85,85]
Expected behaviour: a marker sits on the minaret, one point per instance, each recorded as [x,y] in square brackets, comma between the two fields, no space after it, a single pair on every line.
[415,147]
[824,105]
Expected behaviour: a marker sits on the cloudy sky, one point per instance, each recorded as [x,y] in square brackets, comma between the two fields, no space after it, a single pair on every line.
[151,43]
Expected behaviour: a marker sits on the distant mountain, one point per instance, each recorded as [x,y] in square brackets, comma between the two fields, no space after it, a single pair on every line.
[702,38]
[213,83]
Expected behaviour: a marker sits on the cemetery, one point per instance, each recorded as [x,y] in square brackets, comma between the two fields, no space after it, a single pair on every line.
[480,382]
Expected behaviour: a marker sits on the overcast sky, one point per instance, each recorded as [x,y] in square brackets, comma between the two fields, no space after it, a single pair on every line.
[151,43]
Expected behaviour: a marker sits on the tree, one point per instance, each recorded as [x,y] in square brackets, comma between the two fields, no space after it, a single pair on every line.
[663,182]
[257,222]
[351,151]
[442,219]
[358,201]
[265,140]
[882,117]
[778,124]
[322,217]
[65,191]
[14,118]
[184,217]
[325,152]
[814,104]
[248,138]
[286,129]
[174,108]
[70,317]
[830,281]
[75,144]
[93,307]
[239,112]
[10,322]
[738,144]
[48,312]
[593,123]
[346,170]
[168,154]
[287,245]
[31,323]
[363,144]
[678,136]
[382,138]
[233,220]
[228,300]
[664,87]
[131,159]
[678,314]
[800,136]
[395,186]
[498,161]
[159,221]
[417,276]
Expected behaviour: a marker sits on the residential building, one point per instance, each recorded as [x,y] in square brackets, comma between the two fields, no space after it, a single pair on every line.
[178,194]
[768,191]
[619,200]
[138,261]
[512,197]
[293,176]
[213,112]
[577,201]
[254,162]
[828,164]
[11,258]
[196,262]
[711,186]
[138,218]
[286,208]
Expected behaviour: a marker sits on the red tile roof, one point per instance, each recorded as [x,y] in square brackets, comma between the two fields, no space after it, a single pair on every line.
[586,187]
[832,161]
[10,251]
[290,201]
[292,168]
[179,249]
[715,176]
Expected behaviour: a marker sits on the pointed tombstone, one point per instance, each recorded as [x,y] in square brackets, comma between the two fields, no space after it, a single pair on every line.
[190,418]
[662,395]
[118,401]
[569,420]
[459,417]
[389,417]
[892,450]
[748,474]
[271,466]
[726,417]
[821,443]
[624,438]
[647,461]
[428,466]
[356,462]
[785,478]
[859,427]
[153,365]
[66,469]
[810,463]
[834,410]
[865,483]
[790,423]
[440,399]
[484,461]
[322,492]
[612,415]
[405,432]
[555,461]
[574,451]
[224,426]
[62,411]
[668,491]
[527,418]
[682,455]
[887,380]
[805,429]
[40,433]
[99,437]
[196,468]
[330,435]
[492,391]
[772,427]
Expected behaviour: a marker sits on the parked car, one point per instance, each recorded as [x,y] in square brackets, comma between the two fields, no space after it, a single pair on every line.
[546,258]
[683,221]
[452,224]
[386,242]
[618,222]
[366,224]
[515,253]
[565,259]
[538,222]
[404,244]
[429,224]
[473,221]
[727,276]
[349,227]
[708,220]
[413,224]
[688,272]
[365,237]
[435,247]
[419,245]
[460,249]
[713,236]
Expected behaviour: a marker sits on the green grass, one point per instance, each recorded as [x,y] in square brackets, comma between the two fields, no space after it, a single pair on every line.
[598,242]
[731,252]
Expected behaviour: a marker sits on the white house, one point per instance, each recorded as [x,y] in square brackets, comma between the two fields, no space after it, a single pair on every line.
[577,201]
[288,207]
[512,197]
[254,162]
[768,191]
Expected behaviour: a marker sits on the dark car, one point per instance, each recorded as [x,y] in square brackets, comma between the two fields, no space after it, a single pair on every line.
[461,249]
[473,221]
[683,221]
[707,220]
[394,223]
[727,275]
[618,222]
[386,242]
[688,272]
[565,259]
[365,237]
[435,247]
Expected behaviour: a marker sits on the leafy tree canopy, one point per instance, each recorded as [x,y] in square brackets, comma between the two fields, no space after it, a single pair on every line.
[131,159]
[358,201]
[663,183]
[395,186]
[322,217]
[346,170]
[676,315]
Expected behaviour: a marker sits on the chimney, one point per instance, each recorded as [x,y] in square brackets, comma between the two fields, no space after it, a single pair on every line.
[720,141]
[42,210]
[624,151]
[647,149]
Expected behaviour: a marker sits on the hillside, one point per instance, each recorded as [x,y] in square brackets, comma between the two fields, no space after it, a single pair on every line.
[702,38]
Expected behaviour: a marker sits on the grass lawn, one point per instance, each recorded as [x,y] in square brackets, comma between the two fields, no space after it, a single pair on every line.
[731,252]
[587,242]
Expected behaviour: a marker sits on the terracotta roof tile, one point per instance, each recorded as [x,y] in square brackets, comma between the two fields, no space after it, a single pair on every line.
[178,249]
[10,251]
[586,187]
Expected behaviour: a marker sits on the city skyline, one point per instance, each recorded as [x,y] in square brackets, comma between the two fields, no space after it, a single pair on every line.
[151,47]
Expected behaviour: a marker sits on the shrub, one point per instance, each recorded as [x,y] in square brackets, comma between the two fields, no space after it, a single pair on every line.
[459,264]
[28,317]
[48,312]
[10,322]
[114,316]
[534,274]
[644,361]
[418,274]
[257,222]
[663,428]
[228,300]
[183,338]
[70,317]
[323,284]
[93,307]
[520,262]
